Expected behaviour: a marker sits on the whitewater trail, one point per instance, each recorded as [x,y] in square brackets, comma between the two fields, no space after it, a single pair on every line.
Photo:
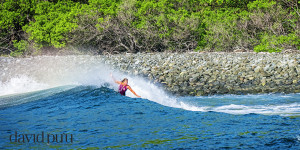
[49,72]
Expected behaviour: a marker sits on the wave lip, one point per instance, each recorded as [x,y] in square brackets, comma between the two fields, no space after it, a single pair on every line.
[21,84]
[17,99]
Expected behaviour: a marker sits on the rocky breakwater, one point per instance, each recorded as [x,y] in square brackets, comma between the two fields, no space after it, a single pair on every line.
[215,73]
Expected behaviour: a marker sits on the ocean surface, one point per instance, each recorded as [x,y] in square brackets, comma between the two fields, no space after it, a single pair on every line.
[54,103]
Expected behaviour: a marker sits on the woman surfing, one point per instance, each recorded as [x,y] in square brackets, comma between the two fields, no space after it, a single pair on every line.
[123,86]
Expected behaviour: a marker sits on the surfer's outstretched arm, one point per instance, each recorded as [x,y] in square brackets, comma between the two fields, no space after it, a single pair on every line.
[132,91]
[116,81]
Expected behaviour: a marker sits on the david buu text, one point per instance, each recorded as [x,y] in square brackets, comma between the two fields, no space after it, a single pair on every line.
[41,138]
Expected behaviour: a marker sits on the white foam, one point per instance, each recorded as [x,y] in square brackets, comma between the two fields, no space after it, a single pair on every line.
[193,108]
[21,84]
[282,109]
[47,72]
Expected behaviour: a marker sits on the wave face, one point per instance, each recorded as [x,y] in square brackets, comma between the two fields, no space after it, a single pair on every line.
[75,95]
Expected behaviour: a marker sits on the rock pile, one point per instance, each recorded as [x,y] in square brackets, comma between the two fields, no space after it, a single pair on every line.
[215,73]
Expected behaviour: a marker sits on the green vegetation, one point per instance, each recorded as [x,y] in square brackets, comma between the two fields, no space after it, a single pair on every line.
[30,27]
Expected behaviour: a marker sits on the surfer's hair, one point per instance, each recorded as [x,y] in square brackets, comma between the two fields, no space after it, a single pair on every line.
[125,79]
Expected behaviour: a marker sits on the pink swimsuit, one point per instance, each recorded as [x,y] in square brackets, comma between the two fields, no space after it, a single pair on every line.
[122,89]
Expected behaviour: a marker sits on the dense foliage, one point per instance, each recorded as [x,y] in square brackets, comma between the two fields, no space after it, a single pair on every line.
[32,26]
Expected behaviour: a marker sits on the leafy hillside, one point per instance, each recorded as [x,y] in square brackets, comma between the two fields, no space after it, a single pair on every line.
[30,27]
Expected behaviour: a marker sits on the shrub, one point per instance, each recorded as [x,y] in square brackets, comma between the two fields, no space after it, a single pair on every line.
[21,48]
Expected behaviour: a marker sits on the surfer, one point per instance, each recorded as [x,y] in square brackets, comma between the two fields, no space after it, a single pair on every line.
[123,86]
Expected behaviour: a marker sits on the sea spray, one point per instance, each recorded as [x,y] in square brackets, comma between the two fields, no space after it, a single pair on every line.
[43,72]
[20,84]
